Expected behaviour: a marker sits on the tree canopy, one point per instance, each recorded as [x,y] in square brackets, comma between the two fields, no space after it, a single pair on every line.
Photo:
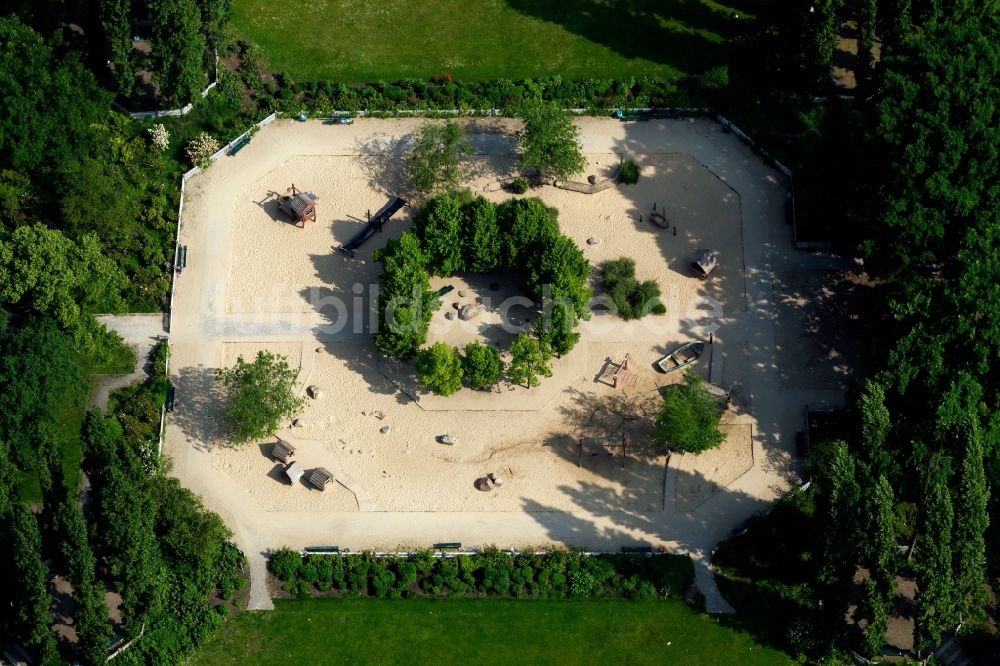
[550,142]
[433,161]
[440,368]
[260,395]
[688,419]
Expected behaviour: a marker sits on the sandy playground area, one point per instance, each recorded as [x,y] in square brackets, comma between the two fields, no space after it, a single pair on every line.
[256,281]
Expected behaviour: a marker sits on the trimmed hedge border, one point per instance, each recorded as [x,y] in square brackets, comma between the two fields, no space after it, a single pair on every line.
[491,573]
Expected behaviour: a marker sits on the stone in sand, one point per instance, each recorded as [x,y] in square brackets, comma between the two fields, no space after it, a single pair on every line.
[384,430]
[461,293]
[470,311]
[593,241]
[449,315]
[299,423]
[316,392]
[447,439]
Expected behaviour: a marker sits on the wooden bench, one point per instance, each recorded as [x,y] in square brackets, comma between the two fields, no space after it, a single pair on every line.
[450,545]
[317,550]
[239,145]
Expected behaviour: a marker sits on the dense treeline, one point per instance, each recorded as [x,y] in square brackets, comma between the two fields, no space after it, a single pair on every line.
[495,573]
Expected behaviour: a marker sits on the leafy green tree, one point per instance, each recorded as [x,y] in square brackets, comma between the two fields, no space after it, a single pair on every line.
[405,300]
[632,299]
[178,49]
[527,228]
[529,360]
[90,619]
[822,38]
[481,235]
[556,328]
[550,142]
[483,365]
[433,161]
[867,22]
[876,424]
[878,619]
[215,15]
[563,268]
[688,419]
[881,549]
[440,368]
[971,501]
[439,226]
[115,20]
[935,576]
[7,480]
[261,394]
[29,577]
[41,270]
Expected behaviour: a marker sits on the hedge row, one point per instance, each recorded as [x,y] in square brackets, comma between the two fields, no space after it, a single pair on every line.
[492,573]
[444,93]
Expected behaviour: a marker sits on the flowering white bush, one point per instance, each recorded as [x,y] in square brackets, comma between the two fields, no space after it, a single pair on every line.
[159,135]
[200,148]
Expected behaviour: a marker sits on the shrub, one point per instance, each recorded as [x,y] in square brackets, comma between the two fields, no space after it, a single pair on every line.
[628,173]
[439,227]
[550,142]
[159,136]
[483,365]
[528,361]
[632,299]
[201,148]
[285,564]
[481,242]
[440,368]
[519,185]
[433,162]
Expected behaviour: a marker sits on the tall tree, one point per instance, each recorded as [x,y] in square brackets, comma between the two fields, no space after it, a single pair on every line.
[215,15]
[29,578]
[821,39]
[529,360]
[935,575]
[260,394]
[971,501]
[875,426]
[866,11]
[115,20]
[439,226]
[481,235]
[550,142]
[433,161]
[881,550]
[838,504]
[178,49]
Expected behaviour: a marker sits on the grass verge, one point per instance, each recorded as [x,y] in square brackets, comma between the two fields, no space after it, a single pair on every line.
[508,631]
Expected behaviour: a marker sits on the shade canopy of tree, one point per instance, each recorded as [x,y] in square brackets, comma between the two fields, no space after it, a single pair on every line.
[433,162]
[481,235]
[260,395]
[550,142]
[483,365]
[529,360]
[405,299]
[440,368]
[688,419]
[178,49]
[439,227]
[29,577]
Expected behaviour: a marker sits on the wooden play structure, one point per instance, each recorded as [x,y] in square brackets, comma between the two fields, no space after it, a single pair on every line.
[374,225]
[299,206]
[599,444]
[613,372]
[282,451]
[320,478]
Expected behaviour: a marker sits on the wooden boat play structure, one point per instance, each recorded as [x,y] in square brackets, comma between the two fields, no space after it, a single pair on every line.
[298,205]
[681,357]
[374,224]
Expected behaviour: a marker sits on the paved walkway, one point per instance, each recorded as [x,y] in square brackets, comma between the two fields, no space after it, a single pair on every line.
[140,332]
[776,393]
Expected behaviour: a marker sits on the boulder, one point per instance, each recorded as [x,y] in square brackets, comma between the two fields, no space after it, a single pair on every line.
[593,241]
[447,439]
[384,430]
[449,315]
[299,423]
[315,392]
[470,311]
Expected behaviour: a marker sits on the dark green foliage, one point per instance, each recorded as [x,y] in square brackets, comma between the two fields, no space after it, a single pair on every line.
[519,185]
[261,394]
[480,236]
[550,142]
[439,227]
[529,360]
[433,161]
[555,574]
[632,299]
[483,366]
[116,41]
[527,227]
[628,173]
[838,507]
[689,418]
[215,16]
[405,300]
[867,23]
[971,501]
[936,599]
[556,328]
[877,613]
[29,577]
[440,368]
[875,426]
[178,49]
[562,273]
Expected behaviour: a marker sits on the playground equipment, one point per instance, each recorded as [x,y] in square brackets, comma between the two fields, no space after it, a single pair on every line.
[620,372]
[300,206]
[681,357]
[374,224]
[659,218]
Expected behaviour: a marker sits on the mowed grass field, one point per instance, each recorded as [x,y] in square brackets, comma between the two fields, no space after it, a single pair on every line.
[359,41]
[418,631]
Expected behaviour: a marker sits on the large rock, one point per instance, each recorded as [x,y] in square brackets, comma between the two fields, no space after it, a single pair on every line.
[470,311]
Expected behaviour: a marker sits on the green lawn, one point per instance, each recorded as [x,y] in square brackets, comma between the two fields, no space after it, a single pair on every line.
[353,41]
[363,631]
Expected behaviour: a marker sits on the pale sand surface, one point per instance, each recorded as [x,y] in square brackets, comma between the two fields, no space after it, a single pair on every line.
[255,281]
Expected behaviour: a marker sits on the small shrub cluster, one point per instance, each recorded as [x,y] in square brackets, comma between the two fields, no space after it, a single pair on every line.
[137,407]
[201,148]
[455,232]
[519,186]
[492,573]
[628,173]
[632,299]
[442,368]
